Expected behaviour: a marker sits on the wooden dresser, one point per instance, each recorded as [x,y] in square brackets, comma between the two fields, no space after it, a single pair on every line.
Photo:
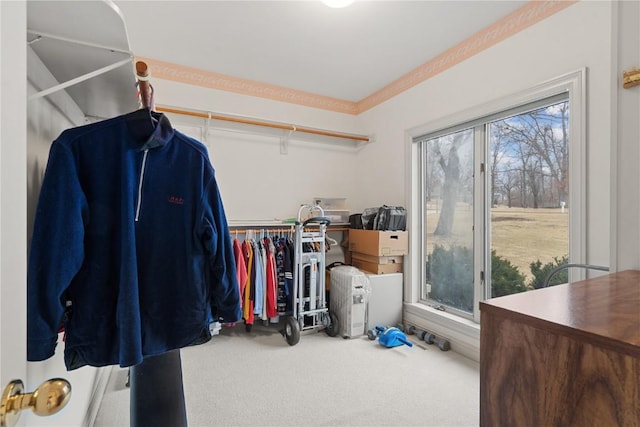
[567,355]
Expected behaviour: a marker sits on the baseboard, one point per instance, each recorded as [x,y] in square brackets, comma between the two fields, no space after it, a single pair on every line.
[463,334]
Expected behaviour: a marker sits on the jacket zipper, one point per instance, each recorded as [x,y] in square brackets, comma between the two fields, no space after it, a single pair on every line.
[144,163]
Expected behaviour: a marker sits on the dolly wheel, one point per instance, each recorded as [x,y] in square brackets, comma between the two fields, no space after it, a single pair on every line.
[292,331]
[334,327]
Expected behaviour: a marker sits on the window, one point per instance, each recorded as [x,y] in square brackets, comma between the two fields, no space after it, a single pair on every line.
[448,219]
[499,198]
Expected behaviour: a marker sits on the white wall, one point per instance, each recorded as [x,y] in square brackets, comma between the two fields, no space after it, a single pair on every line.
[255,180]
[579,36]
[625,192]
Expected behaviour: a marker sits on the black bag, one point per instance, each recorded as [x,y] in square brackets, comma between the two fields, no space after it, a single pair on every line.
[355,221]
[393,218]
[368,218]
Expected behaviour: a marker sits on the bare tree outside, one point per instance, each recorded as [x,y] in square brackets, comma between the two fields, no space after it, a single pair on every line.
[449,219]
[449,162]
[497,153]
[540,141]
[529,226]
[528,187]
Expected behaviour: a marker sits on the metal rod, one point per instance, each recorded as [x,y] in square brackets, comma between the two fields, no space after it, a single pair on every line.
[79,79]
[41,34]
[567,266]
[257,122]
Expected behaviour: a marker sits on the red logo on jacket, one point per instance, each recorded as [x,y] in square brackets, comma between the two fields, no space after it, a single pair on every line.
[176,200]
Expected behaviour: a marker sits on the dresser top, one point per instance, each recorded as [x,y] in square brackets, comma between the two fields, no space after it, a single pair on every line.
[605,309]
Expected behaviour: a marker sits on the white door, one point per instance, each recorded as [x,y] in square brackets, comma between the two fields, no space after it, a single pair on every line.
[13,190]
[13,203]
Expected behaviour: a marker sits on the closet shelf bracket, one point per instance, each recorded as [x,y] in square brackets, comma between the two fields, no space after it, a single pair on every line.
[42,35]
[79,79]
[284,141]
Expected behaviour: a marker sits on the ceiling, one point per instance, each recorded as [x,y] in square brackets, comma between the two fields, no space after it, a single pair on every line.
[346,53]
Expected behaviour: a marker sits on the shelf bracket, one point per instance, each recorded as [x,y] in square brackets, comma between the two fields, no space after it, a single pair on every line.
[40,35]
[284,141]
[79,79]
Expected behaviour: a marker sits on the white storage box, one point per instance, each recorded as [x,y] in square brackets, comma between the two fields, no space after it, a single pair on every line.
[337,216]
[331,203]
[384,303]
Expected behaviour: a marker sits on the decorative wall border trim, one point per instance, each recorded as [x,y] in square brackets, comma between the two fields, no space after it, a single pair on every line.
[197,77]
[531,13]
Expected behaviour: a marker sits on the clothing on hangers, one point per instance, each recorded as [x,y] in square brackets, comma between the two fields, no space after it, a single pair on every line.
[258,268]
[247,308]
[120,201]
[287,276]
[269,263]
[271,282]
[241,268]
[269,277]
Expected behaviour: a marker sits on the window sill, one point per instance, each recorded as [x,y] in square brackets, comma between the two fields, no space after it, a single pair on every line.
[463,334]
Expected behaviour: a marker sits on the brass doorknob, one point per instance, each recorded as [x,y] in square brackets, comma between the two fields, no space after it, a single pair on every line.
[50,397]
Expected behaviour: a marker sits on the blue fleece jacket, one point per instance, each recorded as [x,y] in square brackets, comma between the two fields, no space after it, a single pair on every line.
[131,250]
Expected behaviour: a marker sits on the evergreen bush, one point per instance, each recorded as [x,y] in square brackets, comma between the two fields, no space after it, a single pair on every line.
[450,271]
[540,272]
[506,279]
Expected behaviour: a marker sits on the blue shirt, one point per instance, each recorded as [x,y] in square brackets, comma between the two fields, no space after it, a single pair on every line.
[131,249]
[259,282]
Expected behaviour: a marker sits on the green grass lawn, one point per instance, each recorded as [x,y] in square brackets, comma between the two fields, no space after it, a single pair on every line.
[519,235]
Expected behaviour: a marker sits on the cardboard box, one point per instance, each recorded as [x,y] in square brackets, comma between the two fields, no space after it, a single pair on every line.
[347,257]
[378,243]
[397,259]
[371,267]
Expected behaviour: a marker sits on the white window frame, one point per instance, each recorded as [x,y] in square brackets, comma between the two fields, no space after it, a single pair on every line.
[466,331]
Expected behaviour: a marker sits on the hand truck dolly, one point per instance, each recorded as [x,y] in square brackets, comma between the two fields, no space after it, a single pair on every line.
[310,309]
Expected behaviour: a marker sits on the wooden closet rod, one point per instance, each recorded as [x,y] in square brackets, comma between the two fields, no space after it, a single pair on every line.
[144,87]
[256,122]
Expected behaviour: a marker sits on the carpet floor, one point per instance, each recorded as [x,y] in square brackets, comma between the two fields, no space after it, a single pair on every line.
[255,378]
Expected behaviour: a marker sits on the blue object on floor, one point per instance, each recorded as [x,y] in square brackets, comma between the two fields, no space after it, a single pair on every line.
[392,337]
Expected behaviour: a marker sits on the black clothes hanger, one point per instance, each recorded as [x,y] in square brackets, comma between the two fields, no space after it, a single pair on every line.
[149,128]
